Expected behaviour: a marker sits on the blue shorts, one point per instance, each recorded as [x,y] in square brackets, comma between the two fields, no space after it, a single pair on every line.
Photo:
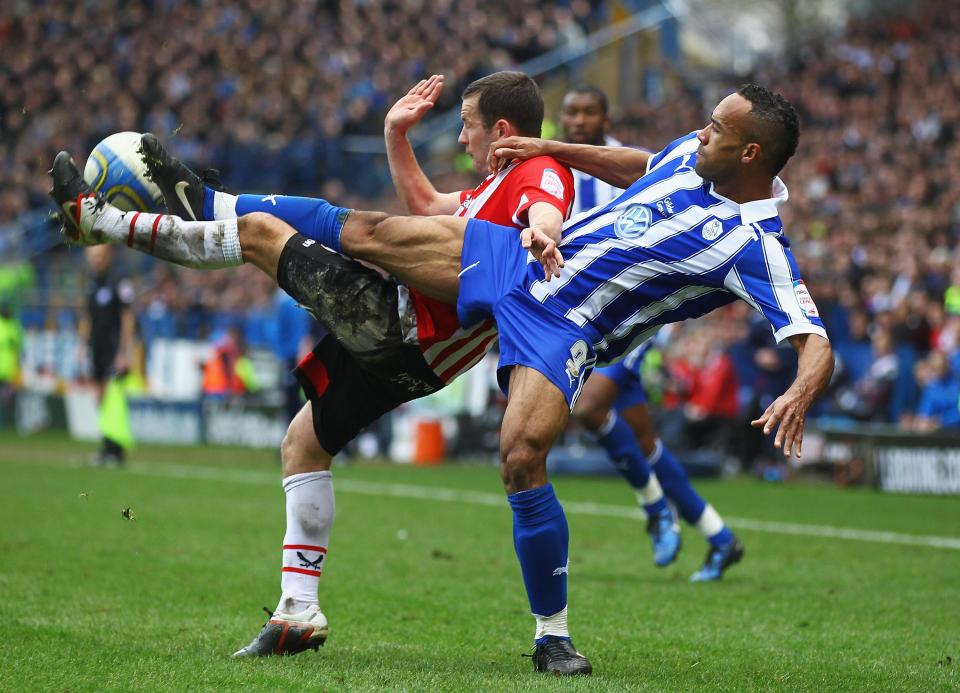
[535,337]
[491,264]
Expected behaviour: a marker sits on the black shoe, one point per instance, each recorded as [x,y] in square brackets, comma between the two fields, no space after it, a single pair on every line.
[182,189]
[558,656]
[288,634]
[718,560]
[69,192]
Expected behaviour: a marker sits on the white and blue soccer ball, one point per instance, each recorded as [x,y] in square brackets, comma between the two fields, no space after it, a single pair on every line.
[115,167]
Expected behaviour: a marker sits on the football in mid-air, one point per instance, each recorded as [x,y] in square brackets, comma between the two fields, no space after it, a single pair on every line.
[115,167]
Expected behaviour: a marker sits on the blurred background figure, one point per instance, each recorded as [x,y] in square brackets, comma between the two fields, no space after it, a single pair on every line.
[108,332]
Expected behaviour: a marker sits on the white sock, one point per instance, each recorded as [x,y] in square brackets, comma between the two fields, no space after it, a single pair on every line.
[650,493]
[224,205]
[710,522]
[199,244]
[552,625]
[310,511]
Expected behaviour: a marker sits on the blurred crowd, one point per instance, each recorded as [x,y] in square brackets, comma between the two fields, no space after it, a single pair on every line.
[263,90]
[267,91]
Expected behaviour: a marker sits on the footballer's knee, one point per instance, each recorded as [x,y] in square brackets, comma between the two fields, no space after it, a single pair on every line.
[591,413]
[362,231]
[262,237]
[523,464]
[300,451]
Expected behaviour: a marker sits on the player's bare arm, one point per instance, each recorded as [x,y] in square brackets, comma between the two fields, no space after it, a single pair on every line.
[618,166]
[412,185]
[789,410]
[543,235]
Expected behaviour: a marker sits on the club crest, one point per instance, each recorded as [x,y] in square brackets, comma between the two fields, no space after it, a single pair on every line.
[712,229]
[634,221]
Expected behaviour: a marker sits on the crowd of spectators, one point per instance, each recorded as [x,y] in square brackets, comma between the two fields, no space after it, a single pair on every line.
[873,216]
[874,210]
[265,91]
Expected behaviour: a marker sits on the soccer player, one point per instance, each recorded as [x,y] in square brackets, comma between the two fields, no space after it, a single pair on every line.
[631,269]
[613,404]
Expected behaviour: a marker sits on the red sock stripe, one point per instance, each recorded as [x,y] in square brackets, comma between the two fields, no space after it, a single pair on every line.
[302,571]
[133,223]
[153,232]
[304,547]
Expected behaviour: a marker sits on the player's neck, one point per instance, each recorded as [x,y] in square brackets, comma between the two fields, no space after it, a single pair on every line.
[742,191]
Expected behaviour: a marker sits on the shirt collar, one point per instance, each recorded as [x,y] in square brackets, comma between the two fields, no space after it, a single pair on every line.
[759,210]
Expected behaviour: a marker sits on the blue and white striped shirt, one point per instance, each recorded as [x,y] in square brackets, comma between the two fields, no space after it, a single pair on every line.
[670,248]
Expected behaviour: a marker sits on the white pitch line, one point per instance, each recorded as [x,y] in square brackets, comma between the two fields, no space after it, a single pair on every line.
[449,495]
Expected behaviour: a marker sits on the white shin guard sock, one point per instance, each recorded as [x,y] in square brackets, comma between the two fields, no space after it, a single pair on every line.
[198,244]
[310,512]
[552,625]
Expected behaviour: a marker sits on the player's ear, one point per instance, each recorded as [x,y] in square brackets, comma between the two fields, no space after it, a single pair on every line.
[503,128]
[750,153]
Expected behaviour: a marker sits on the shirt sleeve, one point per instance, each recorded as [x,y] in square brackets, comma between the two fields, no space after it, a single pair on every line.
[766,276]
[541,179]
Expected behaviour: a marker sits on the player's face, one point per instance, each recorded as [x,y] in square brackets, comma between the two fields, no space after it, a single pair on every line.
[475,138]
[722,141]
[582,119]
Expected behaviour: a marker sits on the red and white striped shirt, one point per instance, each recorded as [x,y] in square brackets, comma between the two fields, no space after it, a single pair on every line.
[503,198]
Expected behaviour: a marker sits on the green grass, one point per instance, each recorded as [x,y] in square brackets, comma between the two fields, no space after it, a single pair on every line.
[92,601]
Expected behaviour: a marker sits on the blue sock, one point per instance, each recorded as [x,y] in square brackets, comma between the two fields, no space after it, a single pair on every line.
[624,451]
[676,485]
[208,194]
[541,539]
[312,217]
[721,538]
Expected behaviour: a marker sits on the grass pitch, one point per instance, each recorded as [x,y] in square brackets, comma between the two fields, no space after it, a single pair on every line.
[423,590]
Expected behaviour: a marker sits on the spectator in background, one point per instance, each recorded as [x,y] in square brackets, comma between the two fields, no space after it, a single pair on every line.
[108,330]
[939,406]
[290,342]
[868,397]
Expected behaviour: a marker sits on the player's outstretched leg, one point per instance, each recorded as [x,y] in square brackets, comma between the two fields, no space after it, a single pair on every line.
[298,624]
[89,220]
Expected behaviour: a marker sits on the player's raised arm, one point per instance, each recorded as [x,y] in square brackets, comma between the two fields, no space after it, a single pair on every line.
[789,410]
[412,185]
[618,166]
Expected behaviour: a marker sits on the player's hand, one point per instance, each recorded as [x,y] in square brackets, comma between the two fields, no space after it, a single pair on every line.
[408,111]
[544,249]
[507,148]
[789,410]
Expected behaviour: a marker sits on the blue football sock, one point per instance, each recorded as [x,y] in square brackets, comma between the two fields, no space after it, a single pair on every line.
[676,484]
[312,217]
[624,451]
[721,538]
[541,539]
[208,197]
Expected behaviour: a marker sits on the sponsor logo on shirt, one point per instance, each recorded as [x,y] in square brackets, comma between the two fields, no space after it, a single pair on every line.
[805,300]
[550,183]
[634,221]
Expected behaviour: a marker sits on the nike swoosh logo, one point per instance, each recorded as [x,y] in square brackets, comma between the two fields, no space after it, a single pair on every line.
[70,225]
[180,189]
[468,268]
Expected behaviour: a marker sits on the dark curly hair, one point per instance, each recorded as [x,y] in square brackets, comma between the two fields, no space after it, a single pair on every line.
[775,125]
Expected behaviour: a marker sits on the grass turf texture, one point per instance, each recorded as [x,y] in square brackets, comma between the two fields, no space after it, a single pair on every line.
[424,594]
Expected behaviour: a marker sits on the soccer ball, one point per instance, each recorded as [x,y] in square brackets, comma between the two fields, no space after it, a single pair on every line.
[115,167]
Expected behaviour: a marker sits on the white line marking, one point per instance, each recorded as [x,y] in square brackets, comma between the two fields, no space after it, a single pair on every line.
[449,495]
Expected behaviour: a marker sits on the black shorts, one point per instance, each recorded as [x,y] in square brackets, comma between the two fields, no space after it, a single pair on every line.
[363,368]
[103,354]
